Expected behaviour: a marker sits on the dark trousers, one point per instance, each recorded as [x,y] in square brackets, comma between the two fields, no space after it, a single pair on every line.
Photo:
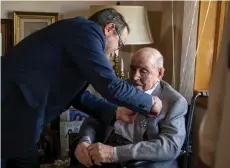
[20,162]
[108,165]
[20,129]
[134,164]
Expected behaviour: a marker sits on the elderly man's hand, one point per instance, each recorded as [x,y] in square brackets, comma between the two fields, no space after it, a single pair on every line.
[101,153]
[125,115]
[82,154]
[156,107]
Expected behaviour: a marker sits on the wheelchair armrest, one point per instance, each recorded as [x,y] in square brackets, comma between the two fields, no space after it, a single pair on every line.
[182,152]
[186,151]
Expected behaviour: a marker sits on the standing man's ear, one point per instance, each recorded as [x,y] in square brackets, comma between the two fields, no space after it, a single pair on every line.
[109,29]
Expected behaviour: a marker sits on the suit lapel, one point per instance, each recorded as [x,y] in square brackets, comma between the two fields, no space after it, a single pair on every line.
[139,128]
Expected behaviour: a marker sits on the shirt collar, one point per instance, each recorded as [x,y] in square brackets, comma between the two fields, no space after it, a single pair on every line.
[150,91]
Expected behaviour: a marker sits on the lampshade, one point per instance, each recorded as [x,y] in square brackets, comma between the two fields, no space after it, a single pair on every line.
[136,17]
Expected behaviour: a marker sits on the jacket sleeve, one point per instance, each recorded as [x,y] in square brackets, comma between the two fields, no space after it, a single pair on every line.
[166,146]
[91,130]
[87,52]
[99,108]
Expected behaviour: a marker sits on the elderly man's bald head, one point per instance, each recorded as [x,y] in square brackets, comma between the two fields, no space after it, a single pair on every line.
[146,68]
[151,55]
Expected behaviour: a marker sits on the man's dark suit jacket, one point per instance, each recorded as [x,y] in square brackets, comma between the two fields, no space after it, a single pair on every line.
[48,71]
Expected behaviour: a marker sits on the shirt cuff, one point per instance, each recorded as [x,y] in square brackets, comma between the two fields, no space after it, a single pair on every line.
[115,154]
[85,139]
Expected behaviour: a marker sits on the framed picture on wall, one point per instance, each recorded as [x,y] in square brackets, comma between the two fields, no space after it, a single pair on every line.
[26,23]
[6,35]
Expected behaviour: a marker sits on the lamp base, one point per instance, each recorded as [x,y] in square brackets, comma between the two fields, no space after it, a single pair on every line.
[122,75]
[115,66]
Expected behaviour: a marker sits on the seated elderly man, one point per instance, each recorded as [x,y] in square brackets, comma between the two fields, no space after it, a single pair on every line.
[157,140]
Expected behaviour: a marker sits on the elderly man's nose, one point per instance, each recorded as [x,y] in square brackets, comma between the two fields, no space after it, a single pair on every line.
[136,75]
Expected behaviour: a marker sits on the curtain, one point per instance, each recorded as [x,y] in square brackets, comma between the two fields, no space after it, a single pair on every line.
[214,135]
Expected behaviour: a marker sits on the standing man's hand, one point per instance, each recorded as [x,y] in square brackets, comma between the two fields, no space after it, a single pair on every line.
[82,154]
[101,153]
[156,107]
[125,115]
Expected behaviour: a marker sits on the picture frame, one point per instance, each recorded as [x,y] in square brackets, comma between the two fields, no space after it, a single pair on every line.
[26,23]
[6,35]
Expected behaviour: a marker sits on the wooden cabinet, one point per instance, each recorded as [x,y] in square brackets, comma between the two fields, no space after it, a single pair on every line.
[6,35]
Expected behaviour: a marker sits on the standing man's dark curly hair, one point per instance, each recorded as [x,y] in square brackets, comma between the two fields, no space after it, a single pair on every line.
[110,15]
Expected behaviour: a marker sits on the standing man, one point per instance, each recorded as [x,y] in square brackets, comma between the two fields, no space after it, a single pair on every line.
[49,70]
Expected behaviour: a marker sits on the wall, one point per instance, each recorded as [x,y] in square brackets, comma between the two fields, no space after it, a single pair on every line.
[171,37]
[66,9]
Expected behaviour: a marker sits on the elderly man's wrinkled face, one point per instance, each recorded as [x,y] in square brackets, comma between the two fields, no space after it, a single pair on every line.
[143,72]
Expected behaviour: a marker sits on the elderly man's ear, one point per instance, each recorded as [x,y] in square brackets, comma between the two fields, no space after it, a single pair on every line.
[161,73]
